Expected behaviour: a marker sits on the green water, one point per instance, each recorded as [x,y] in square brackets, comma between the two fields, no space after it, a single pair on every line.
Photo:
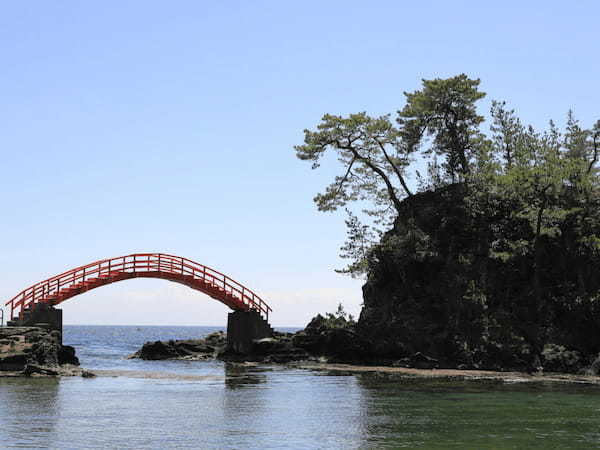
[474,415]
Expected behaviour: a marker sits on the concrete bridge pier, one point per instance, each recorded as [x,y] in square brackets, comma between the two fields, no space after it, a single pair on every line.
[243,327]
[40,315]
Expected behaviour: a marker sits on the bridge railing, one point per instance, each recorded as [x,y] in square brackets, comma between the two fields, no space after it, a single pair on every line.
[136,263]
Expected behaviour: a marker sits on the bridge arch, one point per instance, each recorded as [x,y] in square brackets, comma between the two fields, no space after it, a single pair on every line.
[217,285]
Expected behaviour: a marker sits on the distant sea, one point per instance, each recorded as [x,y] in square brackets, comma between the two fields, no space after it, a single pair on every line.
[210,404]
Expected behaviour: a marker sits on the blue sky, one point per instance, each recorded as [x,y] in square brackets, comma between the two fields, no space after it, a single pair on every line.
[168,126]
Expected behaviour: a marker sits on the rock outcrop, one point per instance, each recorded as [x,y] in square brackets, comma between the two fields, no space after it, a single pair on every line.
[279,348]
[331,340]
[322,339]
[191,349]
[456,280]
[26,351]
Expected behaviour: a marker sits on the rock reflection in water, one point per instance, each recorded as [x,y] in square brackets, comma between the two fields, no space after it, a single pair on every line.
[239,376]
[30,410]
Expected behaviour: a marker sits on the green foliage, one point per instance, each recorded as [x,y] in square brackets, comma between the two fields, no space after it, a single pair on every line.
[546,178]
[445,111]
[360,240]
[369,149]
[339,319]
[375,155]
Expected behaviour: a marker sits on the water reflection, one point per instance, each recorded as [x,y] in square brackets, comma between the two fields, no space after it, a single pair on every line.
[244,402]
[441,413]
[238,376]
[214,405]
[30,410]
[281,407]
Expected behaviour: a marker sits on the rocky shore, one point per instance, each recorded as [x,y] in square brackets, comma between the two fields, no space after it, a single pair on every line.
[319,341]
[334,340]
[36,351]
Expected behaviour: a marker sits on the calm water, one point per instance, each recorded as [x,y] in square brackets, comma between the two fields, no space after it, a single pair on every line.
[176,404]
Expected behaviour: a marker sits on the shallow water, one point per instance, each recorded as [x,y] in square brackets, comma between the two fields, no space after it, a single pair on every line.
[195,404]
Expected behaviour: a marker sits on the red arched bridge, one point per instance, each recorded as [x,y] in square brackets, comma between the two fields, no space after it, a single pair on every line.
[59,288]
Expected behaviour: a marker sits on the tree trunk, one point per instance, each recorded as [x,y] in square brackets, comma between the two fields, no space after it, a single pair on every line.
[536,309]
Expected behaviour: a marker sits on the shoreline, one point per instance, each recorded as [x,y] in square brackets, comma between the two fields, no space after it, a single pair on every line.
[394,373]
[455,374]
[298,351]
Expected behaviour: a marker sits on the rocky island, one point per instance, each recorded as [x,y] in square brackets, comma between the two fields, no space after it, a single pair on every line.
[488,258]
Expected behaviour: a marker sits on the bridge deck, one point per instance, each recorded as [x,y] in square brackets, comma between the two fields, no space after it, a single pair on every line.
[197,276]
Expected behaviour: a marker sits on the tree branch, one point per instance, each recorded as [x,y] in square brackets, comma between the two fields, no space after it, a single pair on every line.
[395,168]
[345,177]
[595,143]
[378,171]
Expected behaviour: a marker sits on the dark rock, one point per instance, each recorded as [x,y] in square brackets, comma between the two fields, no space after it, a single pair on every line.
[445,283]
[66,355]
[421,361]
[183,349]
[31,369]
[402,362]
[278,349]
[216,339]
[288,355]
[556,358]
[268,345]
[157,350]
[64,370]
[331,338]
[316,325]
[13,361]
[339,344]
[33,350]
[594,368]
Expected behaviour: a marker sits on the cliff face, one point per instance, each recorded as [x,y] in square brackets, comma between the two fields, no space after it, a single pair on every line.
[439,286]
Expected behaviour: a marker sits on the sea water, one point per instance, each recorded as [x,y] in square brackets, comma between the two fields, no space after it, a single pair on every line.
[210,404]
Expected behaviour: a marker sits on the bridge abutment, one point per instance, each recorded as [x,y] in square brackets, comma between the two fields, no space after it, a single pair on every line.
[243,327]
[40,315]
